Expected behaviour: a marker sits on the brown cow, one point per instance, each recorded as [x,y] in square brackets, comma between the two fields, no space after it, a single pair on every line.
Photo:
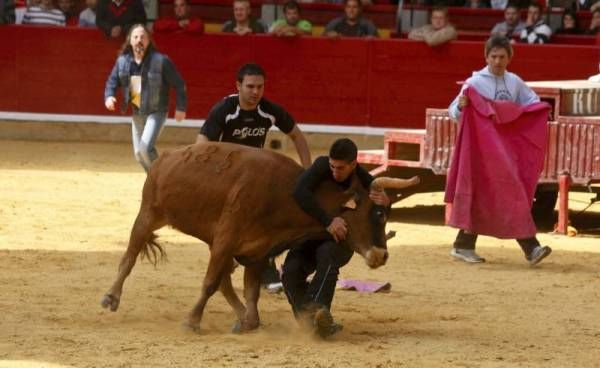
[238,199]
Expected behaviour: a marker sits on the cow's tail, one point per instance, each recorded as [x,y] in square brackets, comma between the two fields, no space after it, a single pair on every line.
[153,251]
[147,222]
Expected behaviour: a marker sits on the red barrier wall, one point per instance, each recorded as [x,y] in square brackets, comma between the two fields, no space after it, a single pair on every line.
[386,83]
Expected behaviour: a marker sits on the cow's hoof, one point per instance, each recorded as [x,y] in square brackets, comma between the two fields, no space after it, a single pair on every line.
[244,326]
[110,301]
[191,327]
[237,327]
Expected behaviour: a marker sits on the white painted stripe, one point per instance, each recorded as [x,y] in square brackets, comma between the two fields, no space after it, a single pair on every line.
[234,115]
[265,115]
[187,123]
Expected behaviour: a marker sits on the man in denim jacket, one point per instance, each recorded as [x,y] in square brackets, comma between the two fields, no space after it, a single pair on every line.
[145,76]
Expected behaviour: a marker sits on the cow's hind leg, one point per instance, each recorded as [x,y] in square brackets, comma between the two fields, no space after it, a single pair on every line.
[141,239]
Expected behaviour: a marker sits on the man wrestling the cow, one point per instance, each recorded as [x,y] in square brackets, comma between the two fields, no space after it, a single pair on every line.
[311,301]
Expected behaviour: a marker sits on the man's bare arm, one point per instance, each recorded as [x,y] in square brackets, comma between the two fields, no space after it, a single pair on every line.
[301,146]
[201,138]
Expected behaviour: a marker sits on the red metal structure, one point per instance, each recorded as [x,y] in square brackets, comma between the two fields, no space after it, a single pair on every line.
[572,155]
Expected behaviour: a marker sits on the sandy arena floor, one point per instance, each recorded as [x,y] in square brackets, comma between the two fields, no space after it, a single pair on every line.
[65,214]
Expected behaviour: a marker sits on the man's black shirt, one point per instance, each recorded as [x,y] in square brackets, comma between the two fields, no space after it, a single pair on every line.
[310,180]
[227,122]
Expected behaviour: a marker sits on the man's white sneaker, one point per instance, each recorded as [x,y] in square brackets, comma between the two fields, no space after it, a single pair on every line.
[537,254]
[467,255]
[274,287]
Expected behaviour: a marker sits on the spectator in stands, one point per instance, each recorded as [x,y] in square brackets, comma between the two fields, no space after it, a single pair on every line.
[352,23]
[149,98]
[498,4]
[476,4]
[243,23]
[590,5]
[87,18]
[438,32]
[569,23]
[363,2]
[536,31]
[595,23]
[7,12]
[115,17]
[512,25]
[493,82]
[21,7]
[151,10]
[44,14]
[291,24]
[68,9]
[182,22]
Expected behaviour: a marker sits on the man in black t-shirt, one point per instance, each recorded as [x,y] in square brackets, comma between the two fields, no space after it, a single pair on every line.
[245,118]
[311,302]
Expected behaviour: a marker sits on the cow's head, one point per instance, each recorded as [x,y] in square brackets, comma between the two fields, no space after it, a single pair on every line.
[366,220]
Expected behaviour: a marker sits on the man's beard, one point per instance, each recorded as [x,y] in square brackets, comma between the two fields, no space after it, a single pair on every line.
[139,48]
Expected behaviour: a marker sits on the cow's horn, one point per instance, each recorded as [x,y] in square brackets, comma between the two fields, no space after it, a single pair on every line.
[385,182]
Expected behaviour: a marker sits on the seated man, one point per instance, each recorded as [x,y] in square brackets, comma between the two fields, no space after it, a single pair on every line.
[87,17]
[182,22]
[590,5]
[476,4]
[436,33]
[535,31]
[594,23]
[44,14]
[352,23]
[291,24]
[243,23]
[115,17]
[7,12]
[512,25]
[498,4]
[70,12]
[311,302]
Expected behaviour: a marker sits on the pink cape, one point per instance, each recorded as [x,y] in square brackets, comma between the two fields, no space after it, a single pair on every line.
[498,158]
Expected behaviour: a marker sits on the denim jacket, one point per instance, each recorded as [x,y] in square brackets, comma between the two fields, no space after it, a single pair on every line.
[158,74]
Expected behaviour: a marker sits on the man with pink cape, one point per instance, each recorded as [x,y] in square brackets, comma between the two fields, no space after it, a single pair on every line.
[498,157]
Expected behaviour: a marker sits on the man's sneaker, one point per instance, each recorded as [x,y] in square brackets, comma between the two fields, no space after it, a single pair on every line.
[274,287]
[537,254]
[324,324]
[467,255]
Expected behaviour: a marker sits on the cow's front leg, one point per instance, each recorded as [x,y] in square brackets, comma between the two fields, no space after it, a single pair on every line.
[252,275]
[217,265]
[230,295]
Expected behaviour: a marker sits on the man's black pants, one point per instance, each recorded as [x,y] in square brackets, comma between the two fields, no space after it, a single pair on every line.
[323,256]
